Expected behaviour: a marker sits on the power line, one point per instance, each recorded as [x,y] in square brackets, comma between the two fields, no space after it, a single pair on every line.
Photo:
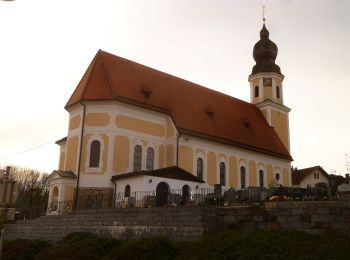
[27,150]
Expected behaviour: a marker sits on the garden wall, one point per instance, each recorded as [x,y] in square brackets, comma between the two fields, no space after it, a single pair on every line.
[186,223]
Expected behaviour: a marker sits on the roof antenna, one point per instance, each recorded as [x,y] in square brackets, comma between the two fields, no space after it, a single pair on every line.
[263,13]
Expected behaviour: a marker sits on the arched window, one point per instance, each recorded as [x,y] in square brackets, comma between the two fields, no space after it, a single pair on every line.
[127,191]
[150,159]
[261,178]
[278,92]
[277,177]
[137,158]
[256,91]
[243,185]
[95,150]
[222,174]
[200,168]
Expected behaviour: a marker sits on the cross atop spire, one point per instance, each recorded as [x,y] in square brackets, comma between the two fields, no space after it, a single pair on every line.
[263,13]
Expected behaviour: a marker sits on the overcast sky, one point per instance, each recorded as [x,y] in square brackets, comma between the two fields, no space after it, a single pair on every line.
[46,46]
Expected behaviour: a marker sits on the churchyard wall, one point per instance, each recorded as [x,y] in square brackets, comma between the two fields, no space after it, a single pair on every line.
[187,223]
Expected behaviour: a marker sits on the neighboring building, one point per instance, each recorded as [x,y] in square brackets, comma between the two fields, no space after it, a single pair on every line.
[336,180]
[133,128]
[308,177]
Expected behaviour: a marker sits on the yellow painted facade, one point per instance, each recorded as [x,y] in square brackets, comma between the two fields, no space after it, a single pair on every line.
[211,168]
[233,172]
[270,176]
[186,158]
[279,121]
[72,153]
[252,174]
[68,192]
[169,155]
[140,126]
[62,161]
[169,129]
[268,93]
[285,174]
[121,154]
[97,119]
[74,122]
[161,156]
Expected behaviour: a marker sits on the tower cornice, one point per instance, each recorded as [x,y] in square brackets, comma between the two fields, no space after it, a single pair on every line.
[270,103]
[265,74]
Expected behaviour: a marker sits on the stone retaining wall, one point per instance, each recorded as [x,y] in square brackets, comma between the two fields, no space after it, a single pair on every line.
[186,223]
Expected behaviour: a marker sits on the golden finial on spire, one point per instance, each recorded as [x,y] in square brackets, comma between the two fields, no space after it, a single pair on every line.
[263,13]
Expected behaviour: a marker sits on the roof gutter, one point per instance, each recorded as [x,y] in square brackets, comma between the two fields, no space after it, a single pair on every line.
[75,203]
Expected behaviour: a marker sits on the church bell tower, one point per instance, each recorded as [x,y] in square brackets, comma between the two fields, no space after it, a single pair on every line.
[266,86]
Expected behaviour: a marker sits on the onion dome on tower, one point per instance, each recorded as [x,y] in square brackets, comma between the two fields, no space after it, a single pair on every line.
[265,53]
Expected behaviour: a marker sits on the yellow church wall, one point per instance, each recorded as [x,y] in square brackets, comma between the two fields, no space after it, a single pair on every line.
[161,156]
[186,158]
[169,155]
[200,151]
[61,161]
[270,176]
[140,126]
[68,192]
[169,129]
[233,172]
[84,152]
[252,173]
[72,154]
[280,122]
[264,112]
[74,122]
[211,168]
[267,92]
[255,82]
[121,154]
[97,119]
[286,178]
[105,152]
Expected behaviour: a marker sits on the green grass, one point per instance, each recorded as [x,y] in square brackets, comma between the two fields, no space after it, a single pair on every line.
[229,244]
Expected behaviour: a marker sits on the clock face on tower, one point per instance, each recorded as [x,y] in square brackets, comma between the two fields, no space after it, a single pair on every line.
[267,82]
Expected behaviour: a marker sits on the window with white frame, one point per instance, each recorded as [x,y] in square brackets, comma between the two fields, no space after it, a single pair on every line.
[95,151]
[243,177]
[200,168]
[261,178]
[277,177]
[150,159]
[137,158]
[222,169]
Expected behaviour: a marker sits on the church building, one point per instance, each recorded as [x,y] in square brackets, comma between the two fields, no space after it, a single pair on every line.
[133,128]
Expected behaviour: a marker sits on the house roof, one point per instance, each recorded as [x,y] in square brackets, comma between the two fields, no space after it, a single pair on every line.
[173,172]
[299,175]
[64,174]
[195,110]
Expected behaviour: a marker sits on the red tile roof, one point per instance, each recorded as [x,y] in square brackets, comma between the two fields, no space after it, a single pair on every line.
[195,110]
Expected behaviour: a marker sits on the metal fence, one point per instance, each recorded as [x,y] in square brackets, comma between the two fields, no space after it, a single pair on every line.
[198,197]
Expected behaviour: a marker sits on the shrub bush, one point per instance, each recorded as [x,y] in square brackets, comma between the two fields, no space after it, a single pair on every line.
[23,249]
[80,246]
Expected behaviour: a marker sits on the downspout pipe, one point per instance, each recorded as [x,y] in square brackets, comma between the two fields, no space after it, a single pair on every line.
[75,204]
[177,148]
